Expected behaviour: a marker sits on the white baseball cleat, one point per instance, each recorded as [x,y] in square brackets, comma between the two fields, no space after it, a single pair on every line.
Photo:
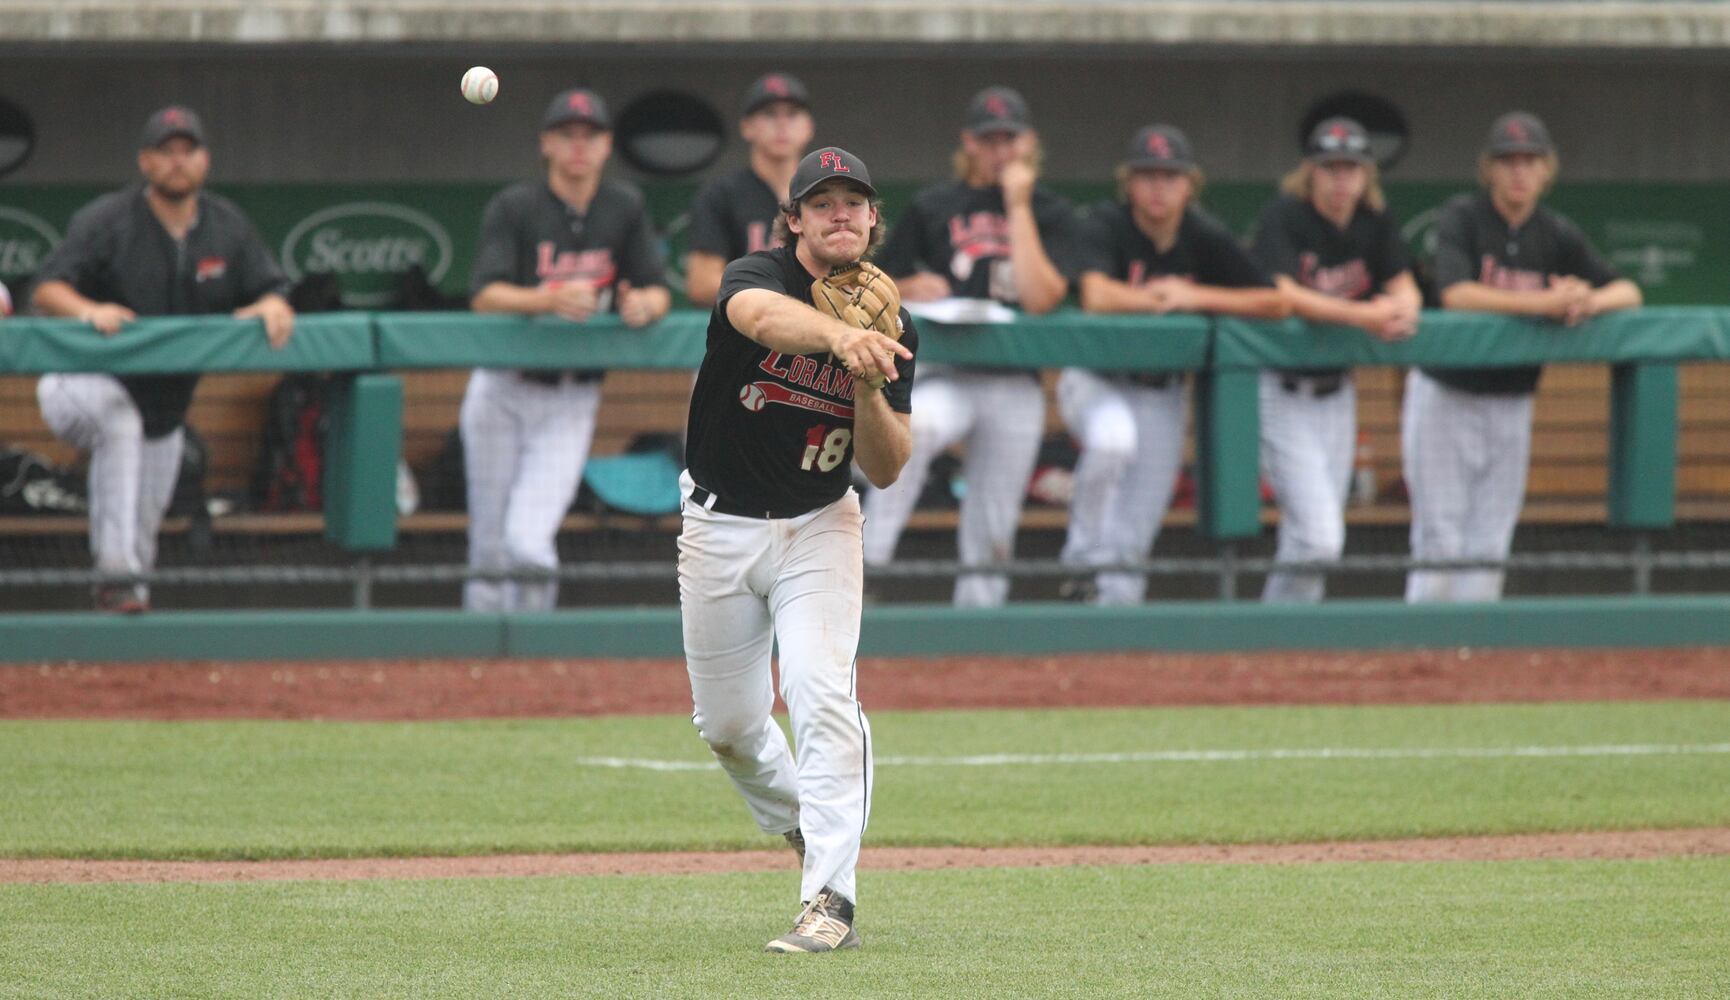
[825,925]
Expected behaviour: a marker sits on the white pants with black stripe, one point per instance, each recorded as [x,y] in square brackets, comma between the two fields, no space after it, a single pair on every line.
[1306,454]
[1131,439]
[1465,458]
[524,447]
[999,418]
[747,585]
[132,477]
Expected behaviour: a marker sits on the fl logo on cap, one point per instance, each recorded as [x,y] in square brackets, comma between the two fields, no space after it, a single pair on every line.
[832,161]
[1157,145]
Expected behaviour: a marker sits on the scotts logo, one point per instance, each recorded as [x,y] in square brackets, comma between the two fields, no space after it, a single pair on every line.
[832,161]
[367,245]
[25,241]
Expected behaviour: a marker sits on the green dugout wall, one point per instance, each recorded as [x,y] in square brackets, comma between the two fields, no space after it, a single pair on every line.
[1643,348]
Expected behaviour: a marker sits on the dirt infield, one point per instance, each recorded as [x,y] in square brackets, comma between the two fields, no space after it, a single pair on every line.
[1558,846]
[445,689]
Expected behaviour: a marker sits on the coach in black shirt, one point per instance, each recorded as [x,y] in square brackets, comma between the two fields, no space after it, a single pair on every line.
[167,247]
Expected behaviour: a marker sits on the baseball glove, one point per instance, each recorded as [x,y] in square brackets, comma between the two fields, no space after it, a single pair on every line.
[861,295]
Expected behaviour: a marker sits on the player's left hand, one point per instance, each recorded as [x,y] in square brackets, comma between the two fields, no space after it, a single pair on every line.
[278,317]
[1017,181]
[1172,294]
[635,305]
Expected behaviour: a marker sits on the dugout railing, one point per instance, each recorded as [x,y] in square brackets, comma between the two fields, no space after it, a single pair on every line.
[1643,349]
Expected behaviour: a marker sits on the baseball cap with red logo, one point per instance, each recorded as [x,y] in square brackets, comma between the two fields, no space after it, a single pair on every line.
[1336,139]
[826,163]
[1518,132]
[997,109]
[1160,147]
[577,105]
[772,87]
[171,122]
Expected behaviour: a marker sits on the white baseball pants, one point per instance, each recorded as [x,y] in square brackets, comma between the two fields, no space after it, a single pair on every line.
[1465,457]
[1307,444]
[1131,439]
[132,477]
[524,446]
[746,584]
[1000,418]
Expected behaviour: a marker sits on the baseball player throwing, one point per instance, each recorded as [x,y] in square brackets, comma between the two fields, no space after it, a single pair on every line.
[1153,251]
[1337,254]
[809,368]
[571,245]
[734,214]
[993,233]
[1466,434]
[168,248]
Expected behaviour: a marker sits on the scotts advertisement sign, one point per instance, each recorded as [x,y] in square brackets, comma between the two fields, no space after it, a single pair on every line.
[25,240]
[368,245]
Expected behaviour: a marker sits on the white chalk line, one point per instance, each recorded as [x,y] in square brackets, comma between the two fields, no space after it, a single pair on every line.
[1221,756]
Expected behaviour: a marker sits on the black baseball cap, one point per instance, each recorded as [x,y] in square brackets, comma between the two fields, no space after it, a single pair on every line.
[169,123]
[772,87]
[997,109]
[1160,147]
[1335,139]
[577,105]
[1518,132]
[825,163]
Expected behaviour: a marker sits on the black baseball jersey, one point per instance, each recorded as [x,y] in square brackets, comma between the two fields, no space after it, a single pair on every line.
[962,233]
[1295,240]
[771,431]
[531,237]
[1474,243]
[117,251]
[1205,251]
[734,215]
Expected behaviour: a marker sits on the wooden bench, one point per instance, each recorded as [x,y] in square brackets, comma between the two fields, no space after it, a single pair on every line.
[1566,484]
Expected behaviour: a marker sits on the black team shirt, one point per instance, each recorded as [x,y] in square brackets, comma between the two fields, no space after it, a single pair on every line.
[768,431]
[962,233]
[1204,252]
[734,215]
[530,237]
[117,251]
[1474,243]
[1353,263]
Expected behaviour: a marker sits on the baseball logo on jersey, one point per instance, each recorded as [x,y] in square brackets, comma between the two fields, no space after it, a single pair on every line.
[976,237]
[1513,279]
[752,397]
[210,269]
[798,380]
[1343,281]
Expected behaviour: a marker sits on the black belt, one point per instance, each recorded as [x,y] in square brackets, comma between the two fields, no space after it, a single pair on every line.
[709,501]
[1151,380]
[1320,386]
[549,377]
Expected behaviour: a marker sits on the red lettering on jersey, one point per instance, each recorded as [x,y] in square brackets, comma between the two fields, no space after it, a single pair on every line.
[772,364]
[594,267]
[1512,279]
[1350,280]
[211,268]
[822,382]
[1140,276]
[976,237]
[842,384]
[832,161]
[757,237]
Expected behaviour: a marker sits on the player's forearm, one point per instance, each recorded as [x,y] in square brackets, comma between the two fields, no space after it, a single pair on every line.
[882,438]
[1100,294]
[503,297]
[1250,303]
[703,278]
[1316,307]
[1037,281]
[1472,296]
[58,298]
[782,324]
[1618,294]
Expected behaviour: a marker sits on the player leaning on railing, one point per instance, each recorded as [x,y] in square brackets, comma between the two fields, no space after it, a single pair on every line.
[1467,433]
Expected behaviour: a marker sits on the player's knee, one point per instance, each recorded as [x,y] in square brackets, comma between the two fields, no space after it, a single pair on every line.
[120,423]
[730,735]
[1110,441]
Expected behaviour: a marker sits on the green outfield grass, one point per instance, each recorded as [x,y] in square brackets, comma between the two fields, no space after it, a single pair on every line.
[1651,930]
[307,789]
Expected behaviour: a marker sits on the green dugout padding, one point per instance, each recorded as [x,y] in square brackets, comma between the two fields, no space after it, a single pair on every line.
[362,444]
[322,342]
[1476,340]
[1023,629]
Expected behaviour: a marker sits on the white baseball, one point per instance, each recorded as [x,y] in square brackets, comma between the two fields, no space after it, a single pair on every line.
[752,397]
[480,85]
